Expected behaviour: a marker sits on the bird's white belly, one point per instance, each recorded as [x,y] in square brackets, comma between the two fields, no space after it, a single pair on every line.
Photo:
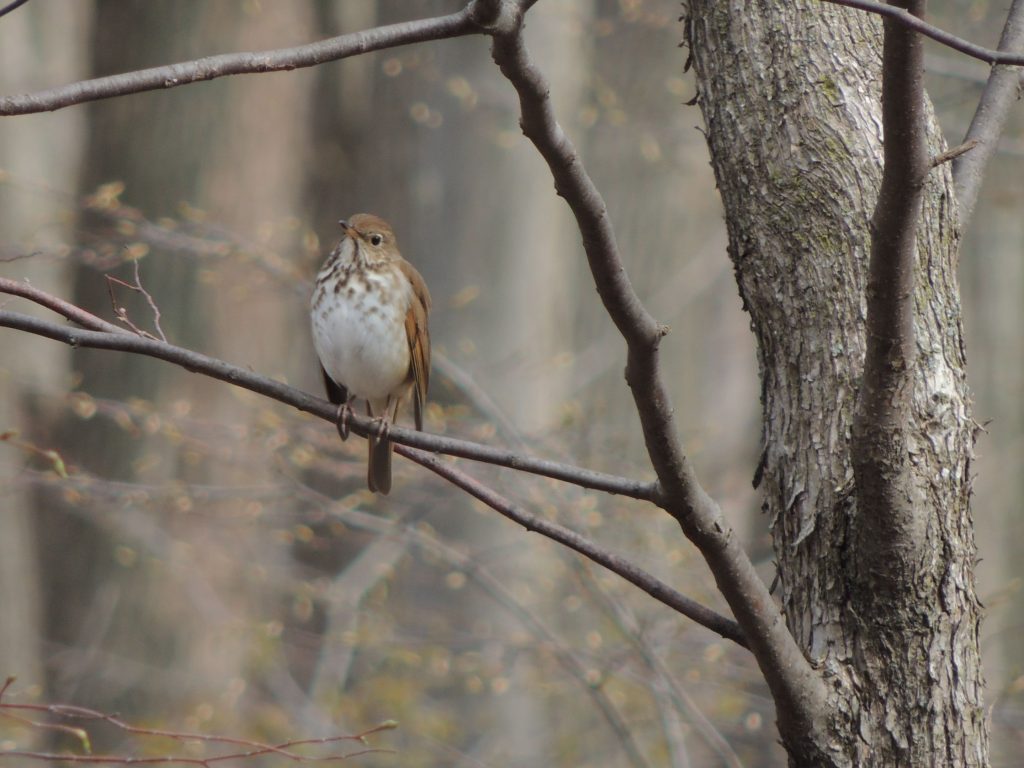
[362,343]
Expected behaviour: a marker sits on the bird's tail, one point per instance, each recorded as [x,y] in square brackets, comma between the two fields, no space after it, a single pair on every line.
[378,475]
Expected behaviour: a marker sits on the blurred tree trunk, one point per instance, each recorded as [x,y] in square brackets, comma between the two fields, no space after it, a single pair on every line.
[993,274]
[790,95]
[385,129]
[77,549]
[38,49]
[209,142]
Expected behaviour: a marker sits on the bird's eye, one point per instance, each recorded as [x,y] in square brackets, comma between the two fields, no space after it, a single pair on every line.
[376,238]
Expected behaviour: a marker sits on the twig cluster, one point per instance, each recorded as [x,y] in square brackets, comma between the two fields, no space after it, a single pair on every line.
[72,721]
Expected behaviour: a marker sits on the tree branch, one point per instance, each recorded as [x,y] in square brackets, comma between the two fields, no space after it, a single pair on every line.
[405,439]
[477,573]
[195,362]
[114,337]
[907,19]
[881,461]
[12,6]
[1001,91]
[798,691]
[212,67]
[632,573]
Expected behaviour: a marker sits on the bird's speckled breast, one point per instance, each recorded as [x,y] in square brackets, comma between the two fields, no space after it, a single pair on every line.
[358,318]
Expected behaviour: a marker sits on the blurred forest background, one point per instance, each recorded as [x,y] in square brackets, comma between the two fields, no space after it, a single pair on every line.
[212,560]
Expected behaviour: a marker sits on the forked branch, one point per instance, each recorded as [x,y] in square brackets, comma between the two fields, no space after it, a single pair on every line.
[797,689]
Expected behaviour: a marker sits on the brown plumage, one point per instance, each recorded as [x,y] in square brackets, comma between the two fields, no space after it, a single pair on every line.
[369,314]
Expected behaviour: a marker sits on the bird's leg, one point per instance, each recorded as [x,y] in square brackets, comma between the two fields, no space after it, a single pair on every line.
[383,421]
[344,414]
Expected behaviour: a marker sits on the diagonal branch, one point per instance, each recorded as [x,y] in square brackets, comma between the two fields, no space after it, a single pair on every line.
[632,573]
[111,336]
[72,312]
[212,67]
[218,369]
[796,688]
[1001,91]
[478,574]
[12,6]
[404,438]
[879,451]
[899,13]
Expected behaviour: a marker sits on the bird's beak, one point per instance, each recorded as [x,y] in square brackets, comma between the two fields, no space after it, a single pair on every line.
[345,227]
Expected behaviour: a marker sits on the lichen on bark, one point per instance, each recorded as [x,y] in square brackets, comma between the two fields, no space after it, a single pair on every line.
[791,101]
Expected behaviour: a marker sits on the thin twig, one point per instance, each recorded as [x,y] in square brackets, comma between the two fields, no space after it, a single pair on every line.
[250,748]
[149,300]
[122,313]
[72,312]
[910,21]
[953,153]
[209,762]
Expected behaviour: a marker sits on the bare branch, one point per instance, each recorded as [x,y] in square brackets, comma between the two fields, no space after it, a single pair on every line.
[677,696]
[12,6]
[477,573]
[67,309]
[797,689]
[881,461]
[212,67]
[122,313]
[908,20]
[1001,91]
[218,369]
[110,336]
[195,362]
[71,714]
[953,153]
[635,575]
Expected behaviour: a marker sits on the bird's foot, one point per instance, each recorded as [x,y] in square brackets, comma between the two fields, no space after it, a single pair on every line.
[383,428]
[344,414]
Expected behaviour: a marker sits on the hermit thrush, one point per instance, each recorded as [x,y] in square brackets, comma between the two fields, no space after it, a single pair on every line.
[369,313]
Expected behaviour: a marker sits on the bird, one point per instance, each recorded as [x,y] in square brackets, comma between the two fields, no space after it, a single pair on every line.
[369,313]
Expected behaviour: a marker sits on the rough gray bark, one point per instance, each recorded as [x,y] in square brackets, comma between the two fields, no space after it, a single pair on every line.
[791,99]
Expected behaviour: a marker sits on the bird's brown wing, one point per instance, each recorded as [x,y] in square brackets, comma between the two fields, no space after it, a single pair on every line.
[419,340]
[336,393]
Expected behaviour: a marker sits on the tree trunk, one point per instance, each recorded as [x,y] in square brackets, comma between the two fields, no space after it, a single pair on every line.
[791,99]
[38,47]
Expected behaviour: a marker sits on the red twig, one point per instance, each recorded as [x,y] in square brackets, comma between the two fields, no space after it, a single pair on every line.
[248,748]
[122,313]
